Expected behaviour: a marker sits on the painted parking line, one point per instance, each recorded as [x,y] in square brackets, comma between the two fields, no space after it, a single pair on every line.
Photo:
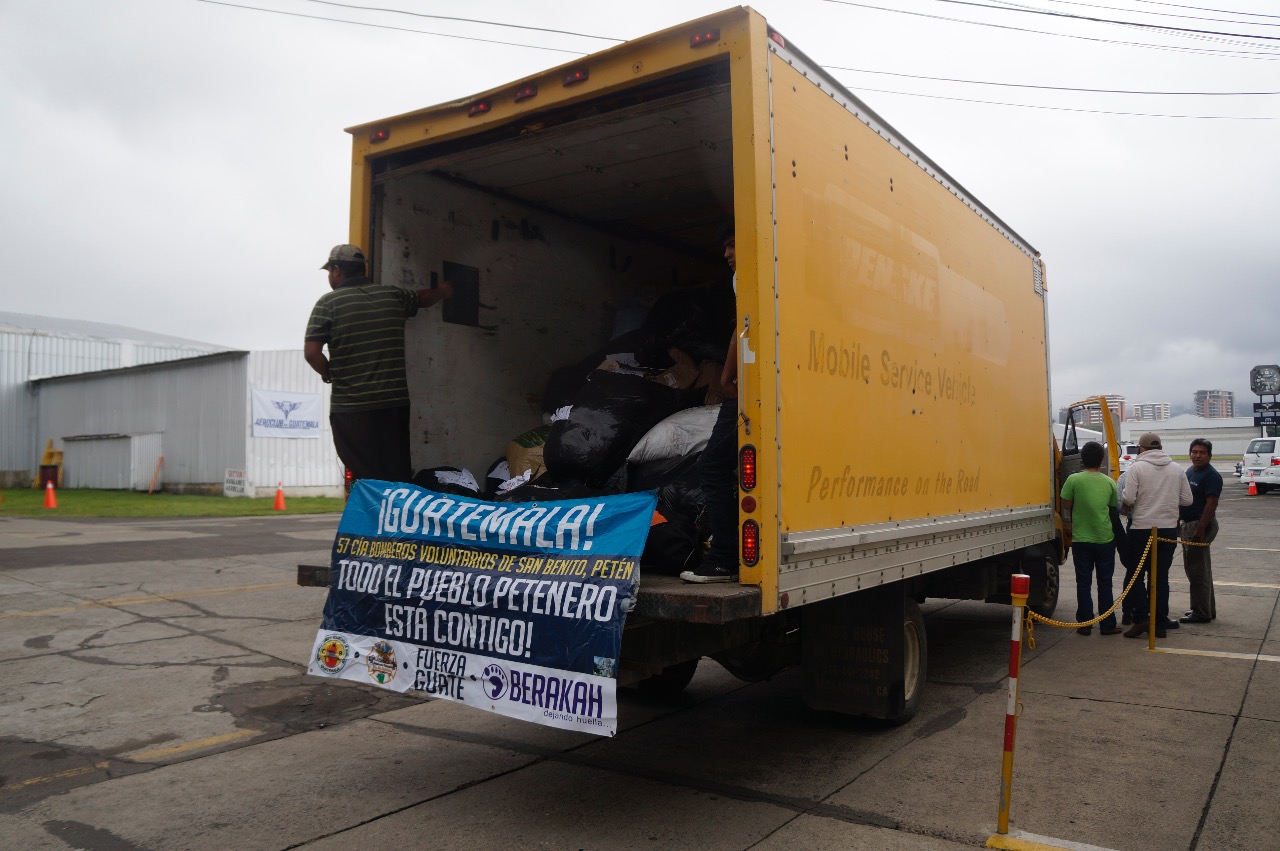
[1019,840]
[1252,549]
[1173,580]
[153,755]
[140,599]
[186,747]
[1221,654]
[61,775]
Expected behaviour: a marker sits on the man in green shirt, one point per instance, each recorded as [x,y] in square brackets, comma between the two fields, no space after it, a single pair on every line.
[362,323]
[1091,495]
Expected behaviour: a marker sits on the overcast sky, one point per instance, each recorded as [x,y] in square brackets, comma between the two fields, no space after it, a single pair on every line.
[180,166]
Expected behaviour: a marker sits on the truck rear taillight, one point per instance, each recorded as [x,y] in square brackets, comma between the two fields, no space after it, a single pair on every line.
[348,479]
[704,37]
[379,136]
[750,543]
[747,467]
[1275,460]
[578,75]
[479,107]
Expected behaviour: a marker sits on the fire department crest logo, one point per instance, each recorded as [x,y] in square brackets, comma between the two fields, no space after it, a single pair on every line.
[381,662]
[333,654]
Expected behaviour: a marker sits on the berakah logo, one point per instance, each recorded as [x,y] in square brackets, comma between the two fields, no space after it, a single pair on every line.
[494,681]
[333,654]
[287,408]
[381,662]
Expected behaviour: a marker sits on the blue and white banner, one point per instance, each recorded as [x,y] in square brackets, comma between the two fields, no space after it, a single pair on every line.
[283,413]
[517,608]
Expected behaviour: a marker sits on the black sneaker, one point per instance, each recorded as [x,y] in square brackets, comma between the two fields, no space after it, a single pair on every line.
[709,572]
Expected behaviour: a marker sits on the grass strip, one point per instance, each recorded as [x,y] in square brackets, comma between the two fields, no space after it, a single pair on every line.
[87,502]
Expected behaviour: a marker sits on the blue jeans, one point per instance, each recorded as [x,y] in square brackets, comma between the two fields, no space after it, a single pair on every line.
[1138,604]
[1091,560]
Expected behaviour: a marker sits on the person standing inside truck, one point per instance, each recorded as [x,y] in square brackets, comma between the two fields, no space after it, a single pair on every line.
[1090,494]
[362,324]
[718,463]
[1153,494]
[1200,526]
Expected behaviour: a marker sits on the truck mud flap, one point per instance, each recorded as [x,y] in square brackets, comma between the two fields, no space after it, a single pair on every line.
[864,654]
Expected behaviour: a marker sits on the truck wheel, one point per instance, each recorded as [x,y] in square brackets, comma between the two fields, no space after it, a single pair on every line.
[672,680]
[915,656]
[1045,584]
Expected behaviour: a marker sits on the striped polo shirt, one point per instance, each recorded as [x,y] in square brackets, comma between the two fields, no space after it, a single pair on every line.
[363,325]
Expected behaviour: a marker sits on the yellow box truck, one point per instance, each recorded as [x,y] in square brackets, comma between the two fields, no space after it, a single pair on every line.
[894,382]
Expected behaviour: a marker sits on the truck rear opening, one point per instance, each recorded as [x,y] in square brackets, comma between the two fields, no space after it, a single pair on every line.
[556,231]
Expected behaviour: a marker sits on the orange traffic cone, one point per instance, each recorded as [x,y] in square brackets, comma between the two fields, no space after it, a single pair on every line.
[50,497]
[1253,487]
[279,506]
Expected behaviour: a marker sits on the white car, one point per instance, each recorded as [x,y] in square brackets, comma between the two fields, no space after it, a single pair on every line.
[1128,452]
[1262,464]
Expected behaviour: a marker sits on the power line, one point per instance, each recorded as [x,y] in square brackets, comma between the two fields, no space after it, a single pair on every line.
[1073,109]
[1031,10]
[1233,54]
[1161,14]
[1047,88]
[1204,9]
[388,27]
[465,20]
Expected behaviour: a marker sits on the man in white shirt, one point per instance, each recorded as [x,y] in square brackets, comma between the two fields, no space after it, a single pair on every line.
[1154,489]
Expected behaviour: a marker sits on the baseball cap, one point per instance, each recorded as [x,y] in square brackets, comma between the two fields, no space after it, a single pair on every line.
[1150,440]
[345,253]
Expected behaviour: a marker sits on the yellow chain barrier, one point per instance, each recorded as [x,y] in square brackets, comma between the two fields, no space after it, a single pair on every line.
[1032,616]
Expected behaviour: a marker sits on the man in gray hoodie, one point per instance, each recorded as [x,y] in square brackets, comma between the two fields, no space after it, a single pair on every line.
[1153,491]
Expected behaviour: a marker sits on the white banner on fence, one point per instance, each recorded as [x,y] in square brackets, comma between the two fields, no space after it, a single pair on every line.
[281,413]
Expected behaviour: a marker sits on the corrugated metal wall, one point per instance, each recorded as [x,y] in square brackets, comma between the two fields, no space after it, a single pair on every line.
[96,463]
[145,453]
[199,407]
[34,354]
[295,462]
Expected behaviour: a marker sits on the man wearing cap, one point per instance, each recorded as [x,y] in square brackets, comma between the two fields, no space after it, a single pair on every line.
[1200,526]
[362,323]
[1154,491]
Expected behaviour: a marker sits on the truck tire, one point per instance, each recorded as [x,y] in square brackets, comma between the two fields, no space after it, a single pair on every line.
[672,680]
[915,655]
[1045,583]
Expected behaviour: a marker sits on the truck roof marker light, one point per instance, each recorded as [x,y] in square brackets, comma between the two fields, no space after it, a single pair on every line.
[704,37]
[578,75]
[747,467]
[526,92]
[750,543]
[479,107]
[379,136]
[776,38]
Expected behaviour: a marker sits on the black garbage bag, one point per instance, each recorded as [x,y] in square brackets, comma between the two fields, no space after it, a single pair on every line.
[452,480]
[608,417]
[544,488]
[566,381]
[696,320]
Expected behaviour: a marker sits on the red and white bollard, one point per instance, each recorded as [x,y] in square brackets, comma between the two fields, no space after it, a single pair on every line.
[1020,587]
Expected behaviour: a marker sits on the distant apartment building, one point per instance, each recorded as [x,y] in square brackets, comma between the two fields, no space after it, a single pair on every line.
[1093,415]
[1215,404]
[1149,411]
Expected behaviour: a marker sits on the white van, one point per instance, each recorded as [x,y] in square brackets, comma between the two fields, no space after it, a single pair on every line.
[1262,464]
